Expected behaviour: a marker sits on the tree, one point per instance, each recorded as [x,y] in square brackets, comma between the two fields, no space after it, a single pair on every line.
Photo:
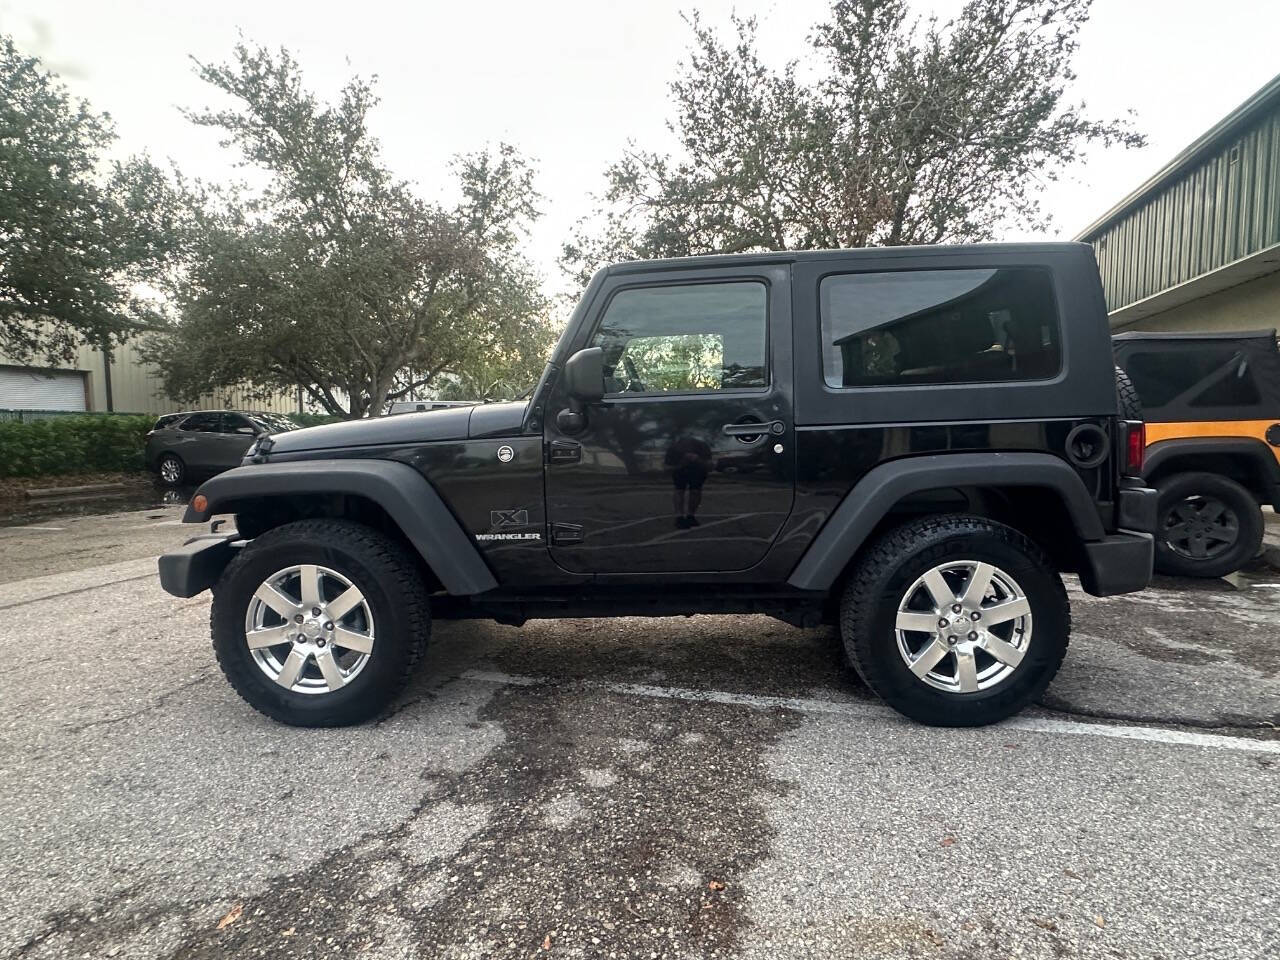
[909,132]
[335,276]
[78,238]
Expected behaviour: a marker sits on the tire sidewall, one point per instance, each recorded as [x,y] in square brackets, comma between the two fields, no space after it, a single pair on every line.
[887,673]
[392,640]
[1179,487]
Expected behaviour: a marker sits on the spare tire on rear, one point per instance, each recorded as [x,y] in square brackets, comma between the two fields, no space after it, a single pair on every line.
[1127,396]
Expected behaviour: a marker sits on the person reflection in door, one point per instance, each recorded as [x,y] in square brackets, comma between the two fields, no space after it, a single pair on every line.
[690,461]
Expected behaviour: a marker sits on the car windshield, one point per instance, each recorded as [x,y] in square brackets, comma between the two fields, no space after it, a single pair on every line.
[273,422]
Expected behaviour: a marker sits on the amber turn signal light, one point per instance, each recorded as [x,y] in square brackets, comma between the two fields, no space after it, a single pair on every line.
[199,503]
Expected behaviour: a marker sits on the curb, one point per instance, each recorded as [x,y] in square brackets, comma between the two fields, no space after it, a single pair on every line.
[92,489]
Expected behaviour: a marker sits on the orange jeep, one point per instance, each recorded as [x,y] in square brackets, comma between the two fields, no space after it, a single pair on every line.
[1212,406]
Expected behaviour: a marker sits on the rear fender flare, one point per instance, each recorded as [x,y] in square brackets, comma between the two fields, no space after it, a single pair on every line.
[875,494]
[1164,453]
[405,494]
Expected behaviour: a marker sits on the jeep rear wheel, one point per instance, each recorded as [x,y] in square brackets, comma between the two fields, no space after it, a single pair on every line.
[319,623]
[1207,525]
[955,621]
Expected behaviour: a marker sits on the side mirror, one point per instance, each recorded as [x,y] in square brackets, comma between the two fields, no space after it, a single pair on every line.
[584,375]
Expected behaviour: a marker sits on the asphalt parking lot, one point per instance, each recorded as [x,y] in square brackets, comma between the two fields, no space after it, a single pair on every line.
[702,787]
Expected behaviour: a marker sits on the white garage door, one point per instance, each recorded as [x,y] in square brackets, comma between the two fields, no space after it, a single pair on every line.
[22,388]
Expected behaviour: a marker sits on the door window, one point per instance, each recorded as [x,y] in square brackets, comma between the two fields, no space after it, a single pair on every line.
[688,338]
[234,423]
[202,423]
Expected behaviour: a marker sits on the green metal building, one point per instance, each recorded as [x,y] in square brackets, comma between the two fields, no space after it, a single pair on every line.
[1197,247]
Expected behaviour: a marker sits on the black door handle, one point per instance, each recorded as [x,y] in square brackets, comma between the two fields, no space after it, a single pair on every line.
[564,451]
[776,427]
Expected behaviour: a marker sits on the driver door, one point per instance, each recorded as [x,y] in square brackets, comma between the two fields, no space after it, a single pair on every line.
[687,463]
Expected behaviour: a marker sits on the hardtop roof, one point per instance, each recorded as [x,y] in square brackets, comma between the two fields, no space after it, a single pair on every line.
[868,253]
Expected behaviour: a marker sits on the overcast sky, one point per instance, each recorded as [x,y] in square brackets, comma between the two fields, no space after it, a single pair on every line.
[570,81]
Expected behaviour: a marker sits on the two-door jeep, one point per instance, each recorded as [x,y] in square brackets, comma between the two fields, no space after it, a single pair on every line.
[910,442]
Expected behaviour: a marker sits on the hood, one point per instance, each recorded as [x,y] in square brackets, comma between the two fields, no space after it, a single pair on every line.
[454,423]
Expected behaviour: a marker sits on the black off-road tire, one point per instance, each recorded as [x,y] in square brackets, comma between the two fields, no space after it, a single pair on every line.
[1127,396]
[388,576]
[883,576]
[1177,488]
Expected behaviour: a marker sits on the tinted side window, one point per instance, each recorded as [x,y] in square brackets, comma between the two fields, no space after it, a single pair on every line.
[1162,376]
[169,421]
[202,423]
[686,338]
[234,423]
[939,326]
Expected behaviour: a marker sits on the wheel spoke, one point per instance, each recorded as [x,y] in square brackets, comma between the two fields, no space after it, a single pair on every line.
[1003,651]
[284,605]
[1198,548]
[942,594]
[1212,510]
[1004,612]
[292,668]
[329,668]
[347,601]
[268,636]
[918,622]
[1179,531]
[1185,510]
[976,589]
[353,640]
[309,584]
[928,658]
[967,672]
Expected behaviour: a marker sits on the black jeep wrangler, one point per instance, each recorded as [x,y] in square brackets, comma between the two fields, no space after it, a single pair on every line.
[909,442]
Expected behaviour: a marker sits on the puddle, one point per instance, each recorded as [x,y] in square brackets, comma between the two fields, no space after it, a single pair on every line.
[139,497]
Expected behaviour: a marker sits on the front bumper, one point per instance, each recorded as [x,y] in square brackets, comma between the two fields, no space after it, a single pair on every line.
[1122,562]
[196,565]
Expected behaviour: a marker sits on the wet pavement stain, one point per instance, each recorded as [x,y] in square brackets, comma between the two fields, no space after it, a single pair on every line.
[600,826]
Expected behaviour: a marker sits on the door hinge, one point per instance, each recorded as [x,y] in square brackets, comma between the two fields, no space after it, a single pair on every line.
[562,533]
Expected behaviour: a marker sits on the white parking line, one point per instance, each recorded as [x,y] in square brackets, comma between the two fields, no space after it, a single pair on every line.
[43,529]
[1048,725]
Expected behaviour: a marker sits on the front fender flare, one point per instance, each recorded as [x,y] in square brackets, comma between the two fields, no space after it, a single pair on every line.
[411,502]
[875,494]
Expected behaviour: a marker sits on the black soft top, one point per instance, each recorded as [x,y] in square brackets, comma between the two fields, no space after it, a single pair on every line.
[1208,375]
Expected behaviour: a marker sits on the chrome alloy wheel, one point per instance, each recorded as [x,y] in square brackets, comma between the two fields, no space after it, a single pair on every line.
[309,629]
[964,626]
[170,470]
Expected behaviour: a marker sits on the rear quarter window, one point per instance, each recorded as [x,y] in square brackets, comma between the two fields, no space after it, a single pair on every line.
[939,326]
[1199,376]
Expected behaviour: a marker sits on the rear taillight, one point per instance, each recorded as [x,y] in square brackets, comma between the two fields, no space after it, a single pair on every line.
[1135,447]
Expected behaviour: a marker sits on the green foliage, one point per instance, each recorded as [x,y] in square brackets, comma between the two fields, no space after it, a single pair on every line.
[673,363]
[892,131]
[74,444]
[76,245]
[335,275]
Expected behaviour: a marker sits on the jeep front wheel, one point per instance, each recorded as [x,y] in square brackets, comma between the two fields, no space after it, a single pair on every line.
[955,621]
[319,623]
